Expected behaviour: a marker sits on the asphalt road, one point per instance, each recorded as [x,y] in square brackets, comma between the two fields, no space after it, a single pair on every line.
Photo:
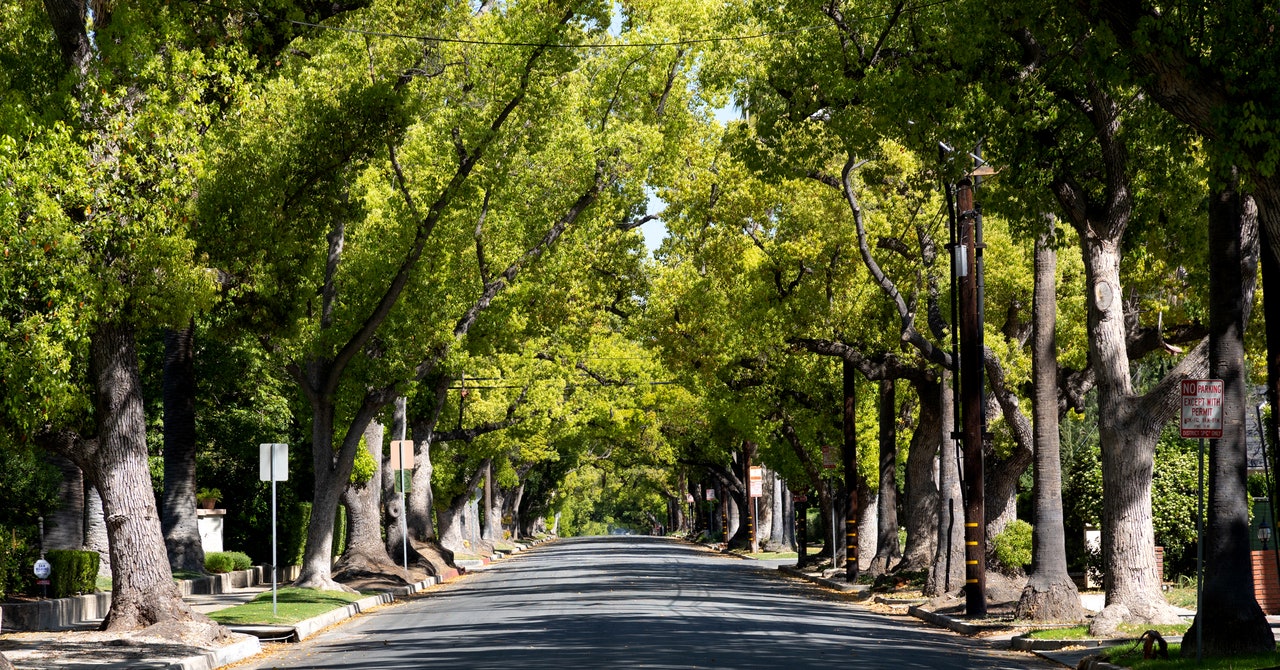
[635,602]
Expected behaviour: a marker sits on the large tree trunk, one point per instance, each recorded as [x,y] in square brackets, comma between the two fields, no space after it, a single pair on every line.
[366,554]
[95,527]
[1049,595]
[1229,615]
[778,537]
[178,518]
[143,591]
[888,550]
[493,501]
[921,486]
[947,574]
[64,529]
[853,483]
[457,522]
[422,496]
[868,524]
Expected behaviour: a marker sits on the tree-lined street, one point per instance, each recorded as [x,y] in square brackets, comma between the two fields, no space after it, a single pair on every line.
[637,602]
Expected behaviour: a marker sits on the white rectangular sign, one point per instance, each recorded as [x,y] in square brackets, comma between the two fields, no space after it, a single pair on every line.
[757,488]
[276,455]
[402,454]
[1201,408]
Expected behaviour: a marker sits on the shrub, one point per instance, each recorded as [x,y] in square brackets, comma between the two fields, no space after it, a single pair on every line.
[219,562]
[1013,545]
[72,572]
[240,560]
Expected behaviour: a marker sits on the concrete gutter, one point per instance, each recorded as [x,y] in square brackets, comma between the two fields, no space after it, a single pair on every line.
[216,658]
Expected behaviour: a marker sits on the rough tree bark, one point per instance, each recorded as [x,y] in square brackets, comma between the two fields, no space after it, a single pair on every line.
[95,527]
[1049,595]
[178,518]
[64,529]
[1229,617]
[453,519]
[143,591]
[947,573]
[366,554]
[921,506]
[888,550]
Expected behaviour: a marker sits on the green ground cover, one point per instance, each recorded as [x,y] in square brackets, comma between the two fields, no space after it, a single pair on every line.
[769,555]
[293,605]
[1081,632]
[1131,657]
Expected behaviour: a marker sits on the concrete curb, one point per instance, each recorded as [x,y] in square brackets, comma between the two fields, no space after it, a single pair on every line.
[1024,643]
[861,590]
[962,627]
[308,627]
[216,658]
[66,613]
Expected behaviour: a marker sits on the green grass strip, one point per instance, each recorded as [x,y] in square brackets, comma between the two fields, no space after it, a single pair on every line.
[1133,659]
[293,605]
[1081,632]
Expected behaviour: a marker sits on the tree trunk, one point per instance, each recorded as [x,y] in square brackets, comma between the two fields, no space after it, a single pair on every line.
[492,503]
[888,550]
[366,554]
[143,591]
[332,473]
[868,524]
[1049,595]
[95,527]
[947,573]
[458,530]
[778,540]
[921,487]
[853,483]
[422,495]
[179,521]
[1229,615]
[64,529]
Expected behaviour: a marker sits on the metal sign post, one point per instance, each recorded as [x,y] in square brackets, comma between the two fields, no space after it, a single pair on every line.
[402,451]
[1201,418]
[273,462]
[755,479]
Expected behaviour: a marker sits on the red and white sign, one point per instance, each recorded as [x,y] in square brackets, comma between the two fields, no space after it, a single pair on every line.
[711,494]
[799,497]
[829,457]
[1202,408]
[755,477]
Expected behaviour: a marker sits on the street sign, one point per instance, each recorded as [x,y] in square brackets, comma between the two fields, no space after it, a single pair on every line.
[799,497]
[42,582]
[402,454]
[757,488]
[1201,408]
[829,458]
[273,460]
[755,477]
[688,497]
[42,569]
[403,481]
[711,494]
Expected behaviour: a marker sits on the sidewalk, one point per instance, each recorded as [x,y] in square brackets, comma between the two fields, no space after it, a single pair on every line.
[78,643]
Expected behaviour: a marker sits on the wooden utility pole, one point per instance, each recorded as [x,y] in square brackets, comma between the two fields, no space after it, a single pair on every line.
[969,274]
[849,456]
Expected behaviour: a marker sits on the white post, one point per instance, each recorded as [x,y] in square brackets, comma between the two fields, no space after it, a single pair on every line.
[274,566]
[267,471]
[755,525]
[404,511]
[833,530]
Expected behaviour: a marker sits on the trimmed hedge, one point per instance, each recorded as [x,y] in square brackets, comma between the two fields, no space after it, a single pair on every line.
[219,562]
[72,572]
